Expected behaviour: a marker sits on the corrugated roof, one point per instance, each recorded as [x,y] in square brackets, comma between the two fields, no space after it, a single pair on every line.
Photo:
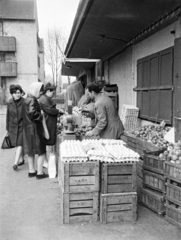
[16,9]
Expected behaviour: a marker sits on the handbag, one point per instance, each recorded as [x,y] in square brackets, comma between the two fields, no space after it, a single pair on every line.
[6,144]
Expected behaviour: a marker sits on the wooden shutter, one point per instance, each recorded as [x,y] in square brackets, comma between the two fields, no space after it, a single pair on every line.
[166,83]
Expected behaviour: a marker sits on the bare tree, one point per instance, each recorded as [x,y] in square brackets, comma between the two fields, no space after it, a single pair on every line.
[55,43]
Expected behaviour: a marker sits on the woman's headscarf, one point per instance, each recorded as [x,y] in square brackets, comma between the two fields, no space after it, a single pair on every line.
[35,89]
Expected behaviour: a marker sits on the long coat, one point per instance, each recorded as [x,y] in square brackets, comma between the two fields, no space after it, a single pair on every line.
[14,122]
[109,125]
[51,113]
[33,132]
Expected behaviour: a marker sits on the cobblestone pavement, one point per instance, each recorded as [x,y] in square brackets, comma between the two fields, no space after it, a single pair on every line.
[30,209]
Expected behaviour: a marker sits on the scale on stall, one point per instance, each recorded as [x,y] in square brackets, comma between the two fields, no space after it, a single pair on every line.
[69,133]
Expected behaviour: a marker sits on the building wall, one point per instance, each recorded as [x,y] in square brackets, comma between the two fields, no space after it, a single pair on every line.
[120,73]
[26,54]
[123,68]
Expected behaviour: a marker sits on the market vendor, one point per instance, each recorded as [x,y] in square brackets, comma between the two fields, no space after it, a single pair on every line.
[108,122]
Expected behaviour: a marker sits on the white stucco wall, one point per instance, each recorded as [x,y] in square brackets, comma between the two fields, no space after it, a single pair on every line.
[120,73]
[123,68]
[26,54]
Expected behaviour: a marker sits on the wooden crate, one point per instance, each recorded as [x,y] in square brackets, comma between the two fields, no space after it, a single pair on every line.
[153,163]
[131,141]
[153,200]
[124,138]
[79,176]
[116,207]
[173,171]
[143,145]
[154,181]
[118,177]
[173,193]
[173,214]
[79,207]
[139,168]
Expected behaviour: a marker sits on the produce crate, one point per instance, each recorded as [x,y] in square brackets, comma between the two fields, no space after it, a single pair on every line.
[79,207]
[117,207]
[139,168]
[79,176]
[154,181]
[173,171]
[173,191]
[143,145]
[118,177]
[153,200]
[124,138]
[131,142]
[153,163]
[173,213]
[139,187]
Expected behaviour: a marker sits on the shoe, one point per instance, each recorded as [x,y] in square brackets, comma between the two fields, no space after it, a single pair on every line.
[41,176]
[15,167]
[32,174]
[21,163]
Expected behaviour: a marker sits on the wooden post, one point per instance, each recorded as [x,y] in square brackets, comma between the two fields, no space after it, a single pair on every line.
[177,89]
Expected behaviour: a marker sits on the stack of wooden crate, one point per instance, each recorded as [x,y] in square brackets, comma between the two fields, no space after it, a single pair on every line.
[154,187]
[173,193]
[118,197]
[79,191]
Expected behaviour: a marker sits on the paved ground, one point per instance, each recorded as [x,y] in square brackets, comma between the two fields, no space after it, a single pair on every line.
[29,209]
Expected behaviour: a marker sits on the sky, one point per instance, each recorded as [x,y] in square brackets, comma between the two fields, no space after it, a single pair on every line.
[56,14]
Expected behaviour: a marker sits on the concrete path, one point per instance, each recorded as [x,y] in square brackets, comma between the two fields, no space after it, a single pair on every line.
[30,209]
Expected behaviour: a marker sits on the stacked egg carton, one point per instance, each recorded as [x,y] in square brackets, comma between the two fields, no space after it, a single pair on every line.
[129,117]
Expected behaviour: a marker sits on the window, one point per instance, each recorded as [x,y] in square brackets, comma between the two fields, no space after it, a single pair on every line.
[155,86]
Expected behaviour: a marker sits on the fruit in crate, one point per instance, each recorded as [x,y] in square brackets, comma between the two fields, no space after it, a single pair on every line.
[174,152]
[153,134]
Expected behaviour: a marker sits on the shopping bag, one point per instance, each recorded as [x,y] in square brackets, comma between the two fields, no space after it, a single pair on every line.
[52,171]
[46,133]
[6,144]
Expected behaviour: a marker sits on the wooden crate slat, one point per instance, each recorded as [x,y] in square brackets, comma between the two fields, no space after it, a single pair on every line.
[82,169]
[82,204]
[74,211]
[80,180]
[121,188]
[66,208]
[80,219]
[112,208]
[119,216]
[119,169]
[83,188]
[119,199]
[80,196]
[95,216]
[119,179]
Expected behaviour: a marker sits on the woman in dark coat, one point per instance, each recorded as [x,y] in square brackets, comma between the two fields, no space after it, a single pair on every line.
[33,132]
[14,122]
[51,112]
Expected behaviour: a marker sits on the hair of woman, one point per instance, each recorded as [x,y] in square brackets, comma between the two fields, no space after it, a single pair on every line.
[94,87]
